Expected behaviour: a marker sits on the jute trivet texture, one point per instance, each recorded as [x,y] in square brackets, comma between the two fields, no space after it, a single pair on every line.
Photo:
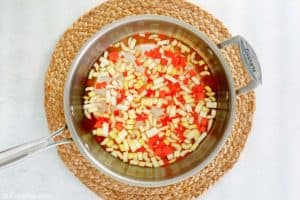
[67,48]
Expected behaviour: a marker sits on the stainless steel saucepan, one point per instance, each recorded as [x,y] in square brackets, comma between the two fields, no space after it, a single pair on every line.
[103,161]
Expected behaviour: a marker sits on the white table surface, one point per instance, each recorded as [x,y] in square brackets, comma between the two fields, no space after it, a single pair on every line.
[269,165]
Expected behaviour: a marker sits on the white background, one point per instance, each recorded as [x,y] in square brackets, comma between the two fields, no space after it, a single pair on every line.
[270,163]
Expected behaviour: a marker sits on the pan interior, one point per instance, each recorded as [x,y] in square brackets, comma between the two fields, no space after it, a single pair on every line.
[102,159]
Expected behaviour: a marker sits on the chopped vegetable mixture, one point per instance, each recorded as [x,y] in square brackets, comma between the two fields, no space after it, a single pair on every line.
[149,100]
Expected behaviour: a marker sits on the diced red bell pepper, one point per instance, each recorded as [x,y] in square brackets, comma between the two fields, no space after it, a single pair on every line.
[199,96]
[198,88]
[153,53]
[99,121]
[101,85]
[125,73]
[170,101]
[160,144]
[142,149]
[180,133]
[165,120]
[179,61]
[192,73]
[119,100]
[167,150]
[181,137]
[198,92]
[196,117]
[176,77]
[163,150]
[88,124]
[141,117]
[163,61]
[121,97]
[180,129]
[186,81]
[138,63]
[149,80]
[177,116]
[181,99]
[159,147]
[147,73]
[164,106]
[162,37]
[162,94]
[98,124]
[122,92]
[204,121]
[113,56]
[174,88]
[160,74]
[201,128]
[99,138]
[162,138]
[116,112]
[152,142]
[135,36]
[182,61]
[119,126]
[157,54]
[141,89]
[158,152]
[150,92]
[175,61]
[169,54]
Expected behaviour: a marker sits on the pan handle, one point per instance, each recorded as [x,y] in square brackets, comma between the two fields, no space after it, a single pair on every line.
[14,154]
[249,60]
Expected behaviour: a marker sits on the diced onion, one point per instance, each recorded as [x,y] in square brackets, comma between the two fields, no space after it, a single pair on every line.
[153,131]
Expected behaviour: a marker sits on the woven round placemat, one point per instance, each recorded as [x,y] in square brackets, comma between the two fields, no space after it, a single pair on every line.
[62,57]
